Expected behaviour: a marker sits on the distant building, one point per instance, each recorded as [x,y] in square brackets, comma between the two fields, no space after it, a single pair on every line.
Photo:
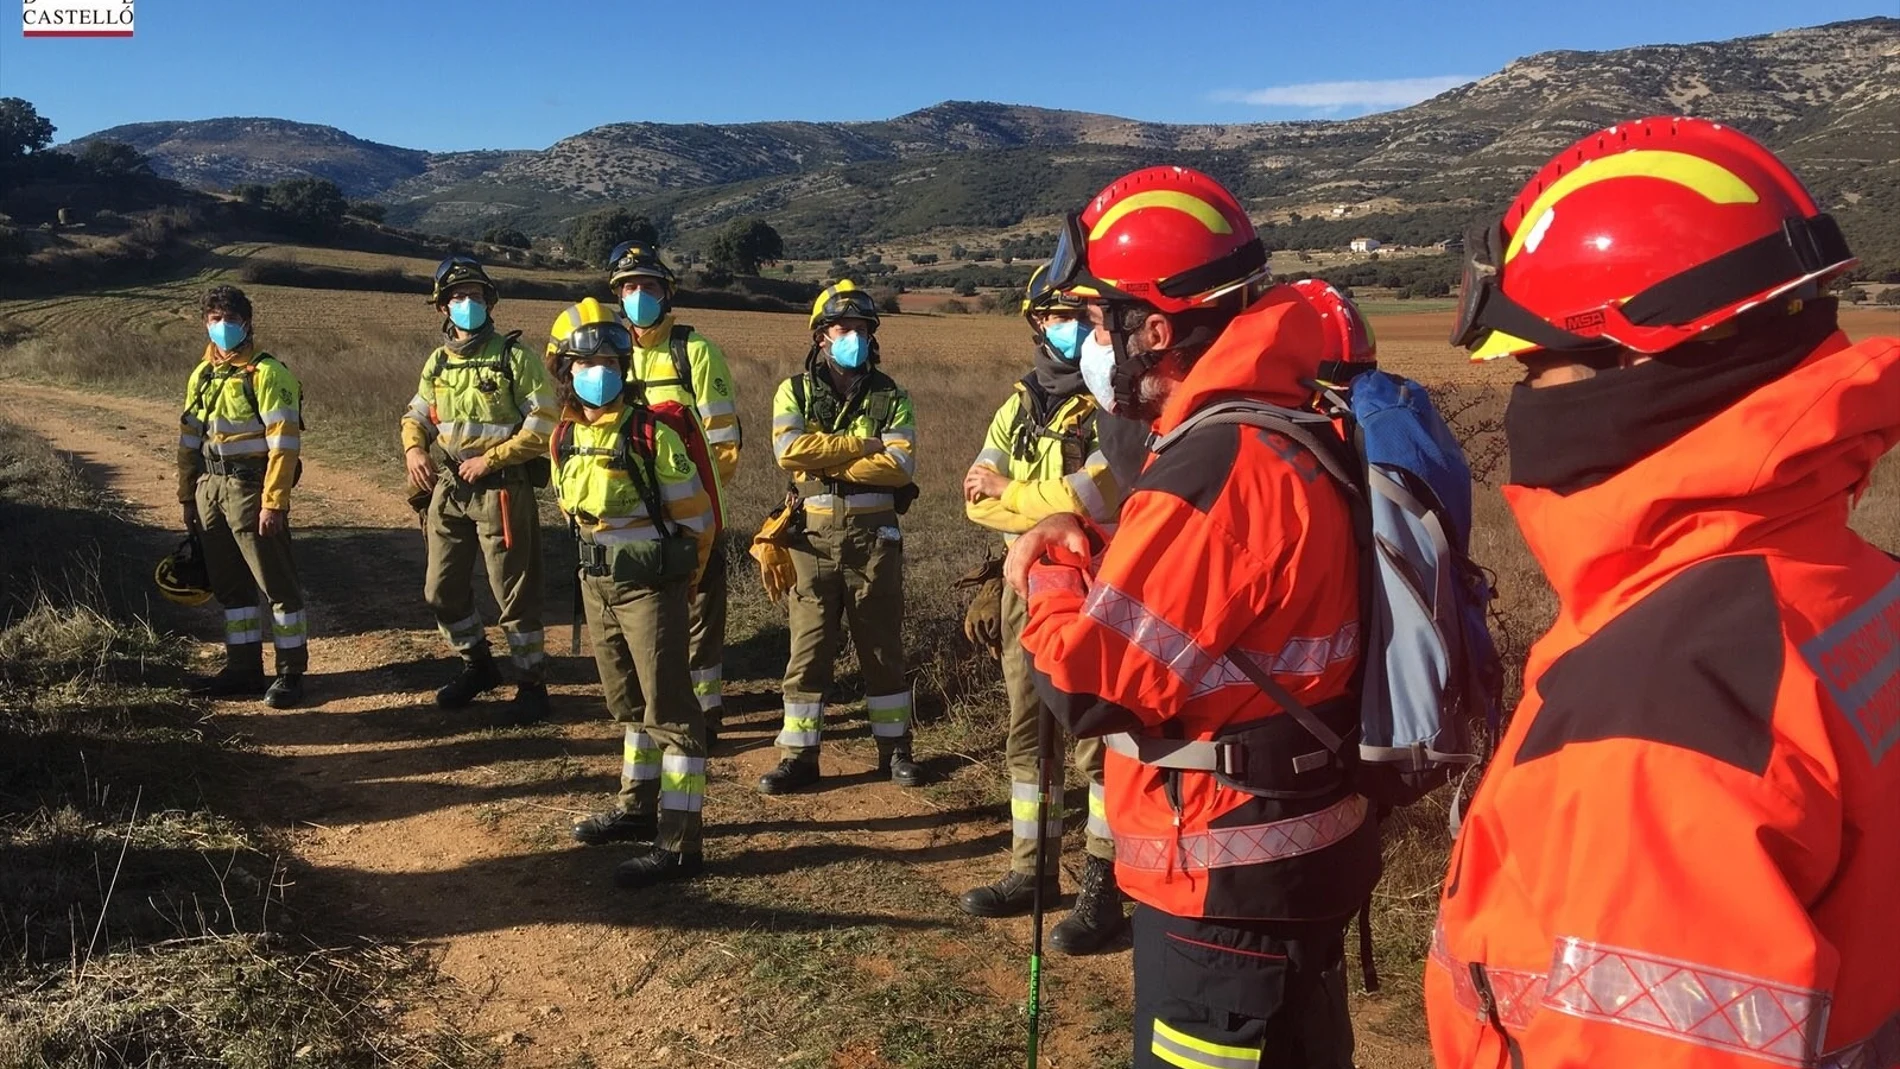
[1340,210]
[1364,244]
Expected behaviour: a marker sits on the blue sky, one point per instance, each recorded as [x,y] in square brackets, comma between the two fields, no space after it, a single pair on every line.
[497,74]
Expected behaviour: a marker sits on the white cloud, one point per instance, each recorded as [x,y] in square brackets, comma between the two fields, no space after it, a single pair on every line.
[1337,96]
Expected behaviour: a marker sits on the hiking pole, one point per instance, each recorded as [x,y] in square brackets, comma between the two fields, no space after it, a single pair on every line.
[1045,786]
[574,637]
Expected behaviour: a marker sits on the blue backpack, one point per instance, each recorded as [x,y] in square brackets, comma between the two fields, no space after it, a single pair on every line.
[1430,678]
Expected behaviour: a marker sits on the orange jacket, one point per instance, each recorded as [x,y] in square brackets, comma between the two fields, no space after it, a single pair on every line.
[1232,539]
[1686,852]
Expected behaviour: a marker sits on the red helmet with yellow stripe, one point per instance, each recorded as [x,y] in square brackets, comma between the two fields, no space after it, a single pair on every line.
[1643,236]
[1169,237]
[1348,337]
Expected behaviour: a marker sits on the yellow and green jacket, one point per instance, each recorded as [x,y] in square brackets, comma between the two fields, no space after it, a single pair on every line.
[1058,467]
[845,457]
[245,408]
[709,395]
[602,497]
[494,401]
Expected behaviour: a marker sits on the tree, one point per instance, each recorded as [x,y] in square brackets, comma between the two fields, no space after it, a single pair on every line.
[314,206]
[591,237]
[22,130]
[744,245]
[115,159]
[368,210]
[251,193]
[509,236]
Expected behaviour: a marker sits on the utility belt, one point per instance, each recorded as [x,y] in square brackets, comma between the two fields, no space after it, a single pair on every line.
[514,475]
[645,562]
[1275,758]
[240,467]
[841,497]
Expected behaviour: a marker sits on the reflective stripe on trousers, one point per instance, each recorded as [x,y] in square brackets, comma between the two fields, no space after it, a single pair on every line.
[1692,1003]
[1022,812]
[639,756]
[1250,844]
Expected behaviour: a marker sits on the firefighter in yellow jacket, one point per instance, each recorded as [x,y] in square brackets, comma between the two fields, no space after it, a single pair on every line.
[644,518]
[475,440]
[238,443]
[674,362]
[1042,457]
[847,436]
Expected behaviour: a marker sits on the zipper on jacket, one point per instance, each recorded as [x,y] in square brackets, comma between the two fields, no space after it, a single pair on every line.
[1488,1007]
[1171,786]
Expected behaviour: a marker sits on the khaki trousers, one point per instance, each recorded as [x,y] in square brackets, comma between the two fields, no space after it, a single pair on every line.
[465,524]
[1019,754]
[240,562]
[850,574]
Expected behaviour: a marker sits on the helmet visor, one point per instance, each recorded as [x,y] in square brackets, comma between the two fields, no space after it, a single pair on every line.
[596,338]
[1476,282]
[465,264]
[1068,266]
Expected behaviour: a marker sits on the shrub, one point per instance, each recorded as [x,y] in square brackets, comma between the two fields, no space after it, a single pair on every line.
[592,237]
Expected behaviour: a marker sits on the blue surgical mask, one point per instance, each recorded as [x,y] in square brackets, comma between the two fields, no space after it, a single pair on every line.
[848,351]
[226,334]
[468,313]
[642,308]
[1064,336]
[598,384]
[1098,370]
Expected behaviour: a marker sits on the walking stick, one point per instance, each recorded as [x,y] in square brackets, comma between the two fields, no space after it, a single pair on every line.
[1045,787]
[574,635]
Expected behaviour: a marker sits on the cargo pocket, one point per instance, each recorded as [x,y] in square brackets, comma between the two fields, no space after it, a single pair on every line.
[1219,1000]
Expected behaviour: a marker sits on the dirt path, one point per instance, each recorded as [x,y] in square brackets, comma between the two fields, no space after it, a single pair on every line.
[415,825]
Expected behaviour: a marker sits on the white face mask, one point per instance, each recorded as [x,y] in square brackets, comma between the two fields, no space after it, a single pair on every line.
[1098,370]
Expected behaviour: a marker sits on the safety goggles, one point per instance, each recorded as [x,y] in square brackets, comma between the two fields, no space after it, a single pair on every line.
[853,304]
[1069,271]
[597,338]
[466,264]
[636,256]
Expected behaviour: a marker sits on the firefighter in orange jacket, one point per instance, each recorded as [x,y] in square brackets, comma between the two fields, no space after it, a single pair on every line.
[1684,853]
[1233,559]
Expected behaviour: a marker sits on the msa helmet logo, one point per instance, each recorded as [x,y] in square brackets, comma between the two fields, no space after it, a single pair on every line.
[76,18]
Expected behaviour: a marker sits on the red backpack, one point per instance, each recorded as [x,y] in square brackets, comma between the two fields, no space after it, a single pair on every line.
[684,423]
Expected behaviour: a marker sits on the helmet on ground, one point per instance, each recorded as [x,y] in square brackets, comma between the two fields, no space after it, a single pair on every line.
[181,575]
[1041,300]
[1348,336]
[1643,236]
[456,270]
[635,259]
[587,329]
[843,300]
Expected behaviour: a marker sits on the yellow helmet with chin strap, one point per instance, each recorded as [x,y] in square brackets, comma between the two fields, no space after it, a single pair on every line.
[1038,299]
[181,575]
[843,300]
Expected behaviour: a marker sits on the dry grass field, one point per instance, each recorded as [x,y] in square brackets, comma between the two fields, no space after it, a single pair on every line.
[358,354]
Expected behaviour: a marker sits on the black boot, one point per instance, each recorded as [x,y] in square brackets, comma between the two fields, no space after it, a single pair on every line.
[1015,893]
[896,763]
[1096,919]
[479,675]
[713,725]
[286,692]
[614,826]
[791,774]
[241,677]
[530,705]
[658,866]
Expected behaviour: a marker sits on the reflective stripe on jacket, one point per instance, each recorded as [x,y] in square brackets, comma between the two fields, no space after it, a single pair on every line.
[1231,541]
[605,500]
[219,421]
[1042,485]
[849,469]
[1684,853]
[474,409]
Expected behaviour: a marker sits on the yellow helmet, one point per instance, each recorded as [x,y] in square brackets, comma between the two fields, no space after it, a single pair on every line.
[1038,299]
[585,328]
[843,300]
[181,574]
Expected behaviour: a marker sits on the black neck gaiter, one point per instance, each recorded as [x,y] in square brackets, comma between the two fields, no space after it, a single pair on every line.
[1572,437]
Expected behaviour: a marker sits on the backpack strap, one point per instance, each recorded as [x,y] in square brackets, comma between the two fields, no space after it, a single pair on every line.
[682,363]
[1310,430]
[646,474]
[798,392]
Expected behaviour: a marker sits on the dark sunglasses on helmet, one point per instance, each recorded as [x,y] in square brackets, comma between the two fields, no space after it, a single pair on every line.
[468,263]
[595,338]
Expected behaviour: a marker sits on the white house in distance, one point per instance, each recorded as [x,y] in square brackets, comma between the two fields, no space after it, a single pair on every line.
[1364,244]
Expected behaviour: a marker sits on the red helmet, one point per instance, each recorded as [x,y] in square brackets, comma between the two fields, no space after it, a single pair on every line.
[1168,236]
[1643,236]
[1349,338]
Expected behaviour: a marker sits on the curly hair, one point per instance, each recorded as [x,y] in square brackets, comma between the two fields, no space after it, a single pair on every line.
[226,299]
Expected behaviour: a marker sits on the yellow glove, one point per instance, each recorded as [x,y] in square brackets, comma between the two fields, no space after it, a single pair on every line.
[983,621]
[776,572]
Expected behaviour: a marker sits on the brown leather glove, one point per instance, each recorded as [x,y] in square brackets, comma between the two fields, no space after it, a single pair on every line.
[983,620]
[776,572]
